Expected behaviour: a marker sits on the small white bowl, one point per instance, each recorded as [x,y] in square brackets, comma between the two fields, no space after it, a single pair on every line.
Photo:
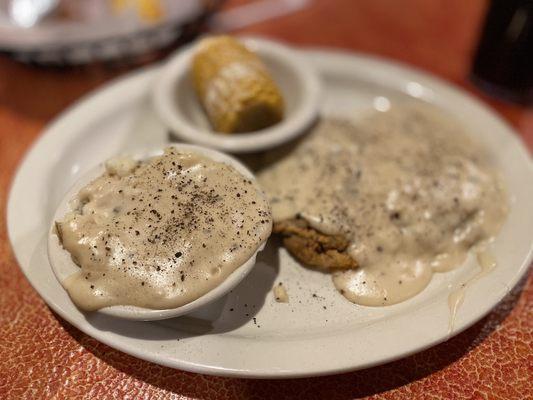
[176,102]
[63,266]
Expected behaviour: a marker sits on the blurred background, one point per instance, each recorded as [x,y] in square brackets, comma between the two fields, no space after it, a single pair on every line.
[54,51]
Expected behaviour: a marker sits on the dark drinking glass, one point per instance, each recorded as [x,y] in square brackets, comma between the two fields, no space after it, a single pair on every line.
[503,63]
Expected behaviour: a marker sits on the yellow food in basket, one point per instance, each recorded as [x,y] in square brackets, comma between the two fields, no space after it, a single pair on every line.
[234,86]
[148,10]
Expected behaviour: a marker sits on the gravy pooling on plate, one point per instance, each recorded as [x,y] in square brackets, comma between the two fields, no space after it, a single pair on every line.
[408,189]
[161,233]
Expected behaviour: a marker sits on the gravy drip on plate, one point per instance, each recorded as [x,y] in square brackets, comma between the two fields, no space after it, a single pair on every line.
[407,187]
[161,233]
[487,262]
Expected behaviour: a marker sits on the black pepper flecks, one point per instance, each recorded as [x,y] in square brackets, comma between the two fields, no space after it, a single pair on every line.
[373,182]
[174,215]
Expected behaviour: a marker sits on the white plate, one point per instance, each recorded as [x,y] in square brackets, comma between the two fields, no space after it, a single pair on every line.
[87,23]
[79,32]
[310,335]
[176,102]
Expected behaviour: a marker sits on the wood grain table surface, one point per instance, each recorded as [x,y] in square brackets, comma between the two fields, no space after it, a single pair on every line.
[42,356]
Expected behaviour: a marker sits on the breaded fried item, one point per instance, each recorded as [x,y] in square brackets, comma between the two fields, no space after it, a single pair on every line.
[313,247]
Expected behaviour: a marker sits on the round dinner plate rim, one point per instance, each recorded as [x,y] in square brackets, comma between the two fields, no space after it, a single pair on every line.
[318,56]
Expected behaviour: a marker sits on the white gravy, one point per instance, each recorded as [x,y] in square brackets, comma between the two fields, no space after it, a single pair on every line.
[487,262]
[161,233]
[407,187]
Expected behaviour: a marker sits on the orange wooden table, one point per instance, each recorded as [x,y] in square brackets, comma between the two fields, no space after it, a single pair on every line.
[42,356]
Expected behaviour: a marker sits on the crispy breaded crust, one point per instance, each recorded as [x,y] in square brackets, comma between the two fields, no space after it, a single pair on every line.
[313,247]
